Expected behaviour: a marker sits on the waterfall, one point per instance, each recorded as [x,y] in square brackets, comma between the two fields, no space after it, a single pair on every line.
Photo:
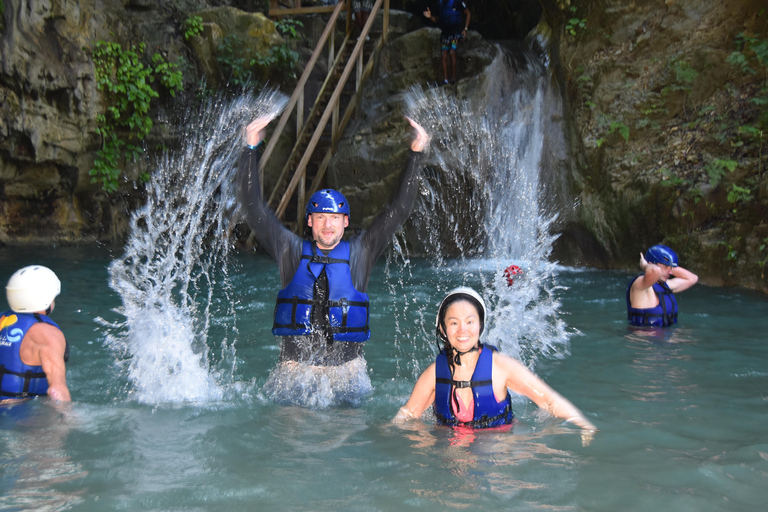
[176,257]
[481,204]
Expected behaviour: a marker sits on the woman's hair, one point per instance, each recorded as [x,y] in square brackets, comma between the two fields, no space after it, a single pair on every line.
[447,302]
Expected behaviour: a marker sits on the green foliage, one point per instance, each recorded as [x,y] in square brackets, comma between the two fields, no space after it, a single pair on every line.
[731,254]
[193,26]
[239,62]
[170,76]
[574,23]
[685,76]
[752,51]
[751,57]
[234,60]
[608,126]
[739,194]
[669,179]
[763,261]
[716,169]
[287,27]
[125,82]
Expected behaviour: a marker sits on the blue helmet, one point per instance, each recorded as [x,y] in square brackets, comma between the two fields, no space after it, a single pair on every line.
[327,201]
[661,254]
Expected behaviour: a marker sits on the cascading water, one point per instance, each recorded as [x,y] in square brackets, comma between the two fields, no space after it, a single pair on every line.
[481,204]
[176,256]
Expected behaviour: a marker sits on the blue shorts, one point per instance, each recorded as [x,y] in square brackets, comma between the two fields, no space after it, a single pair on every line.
[450,42]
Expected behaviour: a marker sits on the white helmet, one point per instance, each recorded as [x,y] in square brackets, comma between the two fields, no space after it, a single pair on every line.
[32,289]
[463,290]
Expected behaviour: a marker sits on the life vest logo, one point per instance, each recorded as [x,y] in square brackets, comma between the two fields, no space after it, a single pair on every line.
[14,335]
[7,321]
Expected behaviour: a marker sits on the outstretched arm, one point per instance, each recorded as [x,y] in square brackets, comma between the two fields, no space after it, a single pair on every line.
[379,234]
[521,380]
[422,396]
[269,231]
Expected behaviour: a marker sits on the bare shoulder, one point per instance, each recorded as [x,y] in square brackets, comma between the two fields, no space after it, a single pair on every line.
[46,334]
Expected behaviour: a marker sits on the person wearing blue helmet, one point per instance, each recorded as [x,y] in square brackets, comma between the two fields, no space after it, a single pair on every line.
[322,310]
[650,296]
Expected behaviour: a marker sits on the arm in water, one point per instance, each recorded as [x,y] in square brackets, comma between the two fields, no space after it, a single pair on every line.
[275,238]
[515,377]
[45,345]
[519,379]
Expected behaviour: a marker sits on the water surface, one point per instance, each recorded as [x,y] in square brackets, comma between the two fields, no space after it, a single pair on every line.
[681,415]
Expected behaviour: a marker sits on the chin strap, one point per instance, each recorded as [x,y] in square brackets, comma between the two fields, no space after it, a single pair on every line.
[457,357]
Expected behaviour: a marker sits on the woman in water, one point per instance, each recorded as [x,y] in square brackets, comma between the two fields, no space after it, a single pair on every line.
[469,381]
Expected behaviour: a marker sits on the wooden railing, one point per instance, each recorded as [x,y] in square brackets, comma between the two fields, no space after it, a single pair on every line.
[331,111]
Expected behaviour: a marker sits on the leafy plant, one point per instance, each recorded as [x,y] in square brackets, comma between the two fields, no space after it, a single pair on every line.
[235,63]
[238,60]
[193,26]
[739,194]
[765,259]
[170,76]
[125,81]
[574,22]
[287,27]
[684,78]
[731,253]
[751,57]
[669,179]
[716,170]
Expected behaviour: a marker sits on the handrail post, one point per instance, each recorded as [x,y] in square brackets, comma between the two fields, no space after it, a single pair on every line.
[300,113]
[349,16]
[385,24]
[332,45]
[301,199]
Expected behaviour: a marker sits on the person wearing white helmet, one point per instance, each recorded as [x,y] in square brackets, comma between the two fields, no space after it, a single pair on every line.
[650,299]
[322,311]
[468,385]
[33,350]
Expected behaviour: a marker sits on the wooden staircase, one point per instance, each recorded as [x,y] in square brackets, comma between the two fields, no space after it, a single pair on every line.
[318,136]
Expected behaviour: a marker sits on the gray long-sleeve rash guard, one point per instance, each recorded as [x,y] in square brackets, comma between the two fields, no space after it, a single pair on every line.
[285,246]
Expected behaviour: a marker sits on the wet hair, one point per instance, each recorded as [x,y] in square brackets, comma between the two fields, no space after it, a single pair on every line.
[447,302]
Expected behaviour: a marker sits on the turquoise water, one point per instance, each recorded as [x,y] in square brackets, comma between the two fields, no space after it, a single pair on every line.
[682,416]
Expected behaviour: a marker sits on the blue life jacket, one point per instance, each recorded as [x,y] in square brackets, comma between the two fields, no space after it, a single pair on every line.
[18,380]
[663,315]
[346,310]
[450,15]
[488,411]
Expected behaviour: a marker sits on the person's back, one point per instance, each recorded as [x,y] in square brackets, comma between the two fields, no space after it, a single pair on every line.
[33,350]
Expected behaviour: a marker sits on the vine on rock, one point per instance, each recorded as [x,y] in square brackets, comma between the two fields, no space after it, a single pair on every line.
[126,82]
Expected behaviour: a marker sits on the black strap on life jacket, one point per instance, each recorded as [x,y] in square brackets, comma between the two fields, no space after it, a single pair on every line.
[27,376]
[668,318]
[344,304]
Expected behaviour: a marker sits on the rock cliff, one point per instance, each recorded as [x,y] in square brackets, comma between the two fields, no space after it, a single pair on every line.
[666,136]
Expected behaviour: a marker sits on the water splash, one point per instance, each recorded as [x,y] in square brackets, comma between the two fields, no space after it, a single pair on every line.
[481,205]
[176,256]
[319,387]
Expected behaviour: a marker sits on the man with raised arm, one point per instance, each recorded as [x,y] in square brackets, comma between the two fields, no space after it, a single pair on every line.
[33,351]
[650,299]
[322,311]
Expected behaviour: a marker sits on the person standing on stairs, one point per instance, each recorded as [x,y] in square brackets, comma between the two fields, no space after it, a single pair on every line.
[361,9]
